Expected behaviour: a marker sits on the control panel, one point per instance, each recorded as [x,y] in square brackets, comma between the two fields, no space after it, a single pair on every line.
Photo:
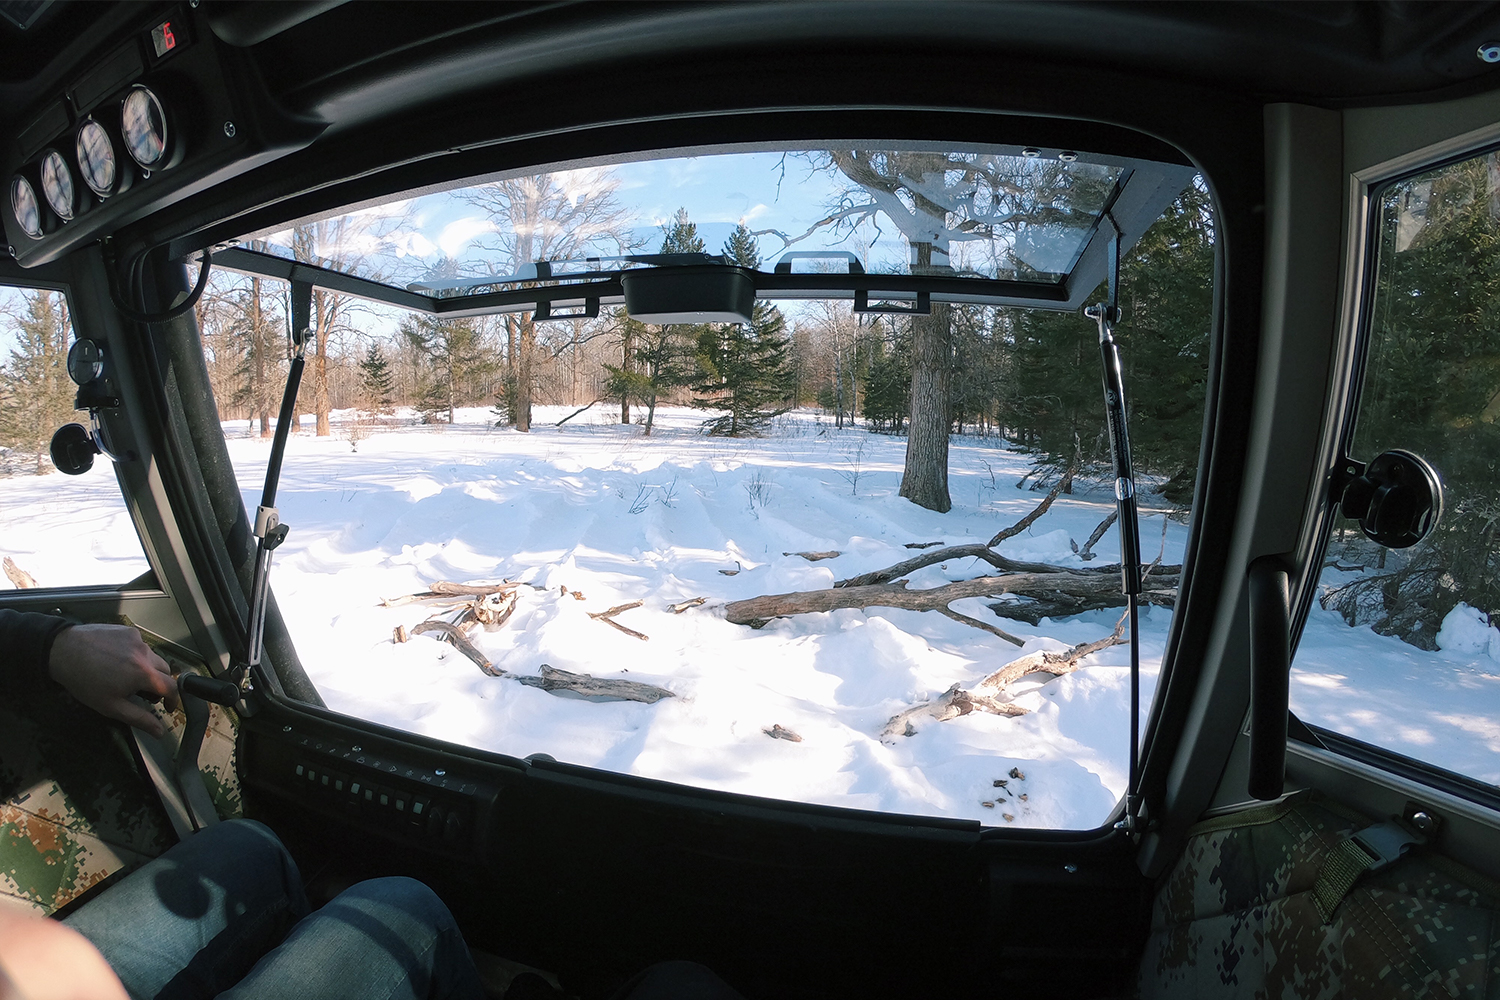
[436,806]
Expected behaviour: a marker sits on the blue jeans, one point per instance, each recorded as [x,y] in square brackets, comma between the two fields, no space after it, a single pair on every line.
[223,914]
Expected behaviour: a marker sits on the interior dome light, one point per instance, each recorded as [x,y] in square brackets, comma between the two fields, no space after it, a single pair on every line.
[143,123]
[96,159]
[57,184]
[25,207]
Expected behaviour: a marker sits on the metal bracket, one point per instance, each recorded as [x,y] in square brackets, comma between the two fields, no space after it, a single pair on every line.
[923,306]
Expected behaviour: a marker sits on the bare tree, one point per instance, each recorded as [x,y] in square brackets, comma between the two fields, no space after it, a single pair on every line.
[545,217]
[985,203]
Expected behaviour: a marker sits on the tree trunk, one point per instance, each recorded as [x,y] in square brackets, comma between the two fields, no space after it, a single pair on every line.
[627,349]
[524,344]
[258,346]
[324,320]
[925,479]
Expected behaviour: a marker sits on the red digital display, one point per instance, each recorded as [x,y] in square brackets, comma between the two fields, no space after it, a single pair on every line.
[163,39]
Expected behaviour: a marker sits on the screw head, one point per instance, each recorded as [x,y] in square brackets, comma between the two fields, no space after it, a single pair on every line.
[1423,821]
[229,129]
[1067,156]
[1489,52]
[1031,151]
[286,729]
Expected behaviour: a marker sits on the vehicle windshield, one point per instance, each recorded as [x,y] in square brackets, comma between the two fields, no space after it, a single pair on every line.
[711,553]
[1021,216]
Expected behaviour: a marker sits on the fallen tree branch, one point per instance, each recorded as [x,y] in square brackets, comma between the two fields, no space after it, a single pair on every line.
[986,695]
[608,617]
[453,634]
[992,629]
[553,679]
[575,413]
[678,609]
[814,556]
[18,576]
[1061,486]
[1101,587]
[1087,552]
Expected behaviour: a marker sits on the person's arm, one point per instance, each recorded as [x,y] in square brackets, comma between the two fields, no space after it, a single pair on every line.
[40,959]
[27,638]
[102,666]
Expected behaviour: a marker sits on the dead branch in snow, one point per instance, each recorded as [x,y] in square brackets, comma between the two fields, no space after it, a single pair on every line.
[923,545]
[553,679]
[815,556]
[1102,588]
[1061,486]
[994,630]
[455,635]
[678,609]
[608,618]
[780,732]
[986,696]
[1087,552]
[18,576]
[575,413]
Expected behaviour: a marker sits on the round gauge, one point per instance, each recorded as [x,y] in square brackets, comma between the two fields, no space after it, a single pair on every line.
[25,207]
[57,184]
[143,123]
[96,159]
[85,361]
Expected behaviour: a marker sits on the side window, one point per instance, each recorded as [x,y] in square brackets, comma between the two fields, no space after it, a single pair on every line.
[55,530]
[1401,648]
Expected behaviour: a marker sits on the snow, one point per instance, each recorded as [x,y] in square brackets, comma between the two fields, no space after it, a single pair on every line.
[598,508]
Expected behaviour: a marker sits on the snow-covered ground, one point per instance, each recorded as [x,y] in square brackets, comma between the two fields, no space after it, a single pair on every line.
[597,508]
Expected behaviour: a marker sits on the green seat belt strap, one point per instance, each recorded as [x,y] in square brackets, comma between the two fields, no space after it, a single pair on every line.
[1371,849]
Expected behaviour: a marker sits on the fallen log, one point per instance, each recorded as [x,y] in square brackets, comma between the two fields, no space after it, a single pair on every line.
[1101,587]
[581,409]
[951,704]
[553,679]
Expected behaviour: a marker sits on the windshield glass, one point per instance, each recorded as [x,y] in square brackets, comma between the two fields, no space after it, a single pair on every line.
[990,215]
[852,557]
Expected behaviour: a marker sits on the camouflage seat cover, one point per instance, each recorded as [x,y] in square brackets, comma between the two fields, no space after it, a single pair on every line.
[1236,917]
[76,808]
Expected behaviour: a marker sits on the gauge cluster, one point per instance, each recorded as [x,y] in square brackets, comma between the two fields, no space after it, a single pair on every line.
[167,113]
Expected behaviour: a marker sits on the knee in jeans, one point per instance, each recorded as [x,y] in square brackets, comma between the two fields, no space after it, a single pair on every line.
[405,894]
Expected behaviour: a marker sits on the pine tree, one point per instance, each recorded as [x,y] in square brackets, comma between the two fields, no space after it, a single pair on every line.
[460,366]
[36,395]
[743,369]
[375,381]
[681,235]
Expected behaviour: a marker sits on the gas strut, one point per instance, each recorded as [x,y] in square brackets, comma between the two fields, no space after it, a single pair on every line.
[269,531]
[1107,314]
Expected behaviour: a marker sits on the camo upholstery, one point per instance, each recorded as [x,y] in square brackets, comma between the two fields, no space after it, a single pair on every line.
[1235,918]
[76,807]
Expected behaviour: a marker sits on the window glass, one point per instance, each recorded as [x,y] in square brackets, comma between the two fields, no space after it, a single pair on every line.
[1401,649]
[55,530]
[627,487]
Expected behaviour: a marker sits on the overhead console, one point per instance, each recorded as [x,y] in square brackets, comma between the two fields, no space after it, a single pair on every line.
[170,111]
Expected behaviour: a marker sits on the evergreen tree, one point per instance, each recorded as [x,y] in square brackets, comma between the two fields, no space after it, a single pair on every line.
[375,381]
[36,395]
[887,396]
[460,366]
[660,356]
[743,369]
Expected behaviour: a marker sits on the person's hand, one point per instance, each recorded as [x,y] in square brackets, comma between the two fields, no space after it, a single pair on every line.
[104,665]
[40,959]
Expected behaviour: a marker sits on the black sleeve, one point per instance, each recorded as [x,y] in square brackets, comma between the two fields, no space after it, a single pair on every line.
[26,640]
